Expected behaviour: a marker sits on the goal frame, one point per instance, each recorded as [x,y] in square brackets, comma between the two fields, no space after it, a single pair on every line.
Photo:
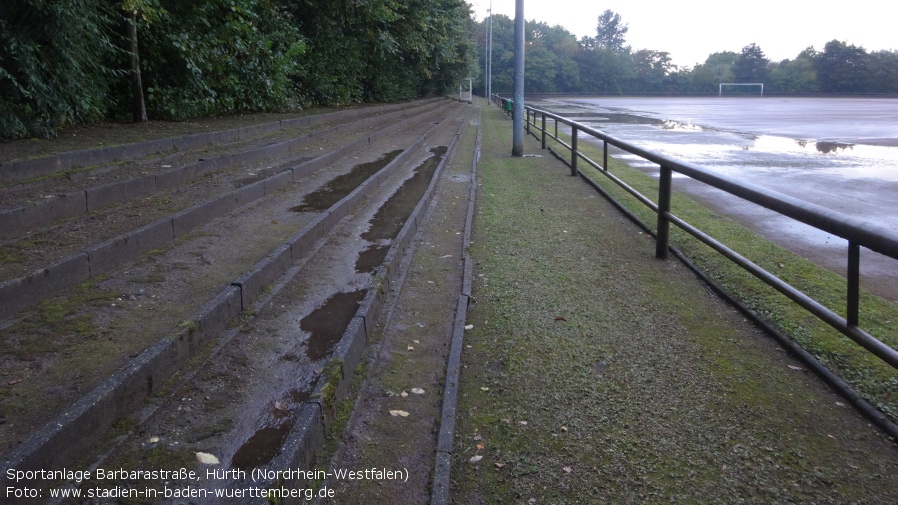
[722,84]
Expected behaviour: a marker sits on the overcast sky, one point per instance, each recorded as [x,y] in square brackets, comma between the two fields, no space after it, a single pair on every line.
[690,30]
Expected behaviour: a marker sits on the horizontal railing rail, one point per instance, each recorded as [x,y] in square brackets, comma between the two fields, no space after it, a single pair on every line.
[857,232]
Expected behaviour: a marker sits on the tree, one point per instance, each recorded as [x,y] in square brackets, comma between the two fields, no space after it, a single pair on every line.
[841,68]
[751,65]
[611,32]
[52,65]
[717,68]
[651,70]
[795,76]
[135,10]
[883,71]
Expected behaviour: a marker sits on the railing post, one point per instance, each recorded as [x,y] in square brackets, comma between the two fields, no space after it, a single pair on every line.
[544,131]
[573,151]
[854,282]
[556,128]
[605,155]
[527,123]
[663,233]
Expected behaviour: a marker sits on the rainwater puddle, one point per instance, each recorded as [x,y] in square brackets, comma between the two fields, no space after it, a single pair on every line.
[389,219]
[371,258]
[262,447]
[342,185]
[327,323]
[265,443]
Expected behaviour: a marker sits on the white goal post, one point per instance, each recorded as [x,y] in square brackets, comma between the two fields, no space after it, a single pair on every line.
[720,88]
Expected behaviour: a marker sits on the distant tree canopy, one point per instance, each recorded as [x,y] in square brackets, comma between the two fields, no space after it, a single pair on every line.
[557,62]
[72,61]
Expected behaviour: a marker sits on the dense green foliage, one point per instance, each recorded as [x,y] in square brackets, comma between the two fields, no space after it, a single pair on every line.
[70,61]
[50,64]
[557,62]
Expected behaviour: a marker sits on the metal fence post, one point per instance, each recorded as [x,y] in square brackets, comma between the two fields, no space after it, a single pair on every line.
[573,151]
[663,233]
[854,281]
[605,155]
[544,130]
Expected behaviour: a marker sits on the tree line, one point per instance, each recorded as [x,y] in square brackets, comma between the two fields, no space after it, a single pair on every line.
[557,62]
[70,61]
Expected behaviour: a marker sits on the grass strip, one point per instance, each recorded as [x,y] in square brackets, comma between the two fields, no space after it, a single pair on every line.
[598,374]
[875,380]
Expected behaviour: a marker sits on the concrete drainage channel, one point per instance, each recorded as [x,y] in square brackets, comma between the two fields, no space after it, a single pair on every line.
[66,438]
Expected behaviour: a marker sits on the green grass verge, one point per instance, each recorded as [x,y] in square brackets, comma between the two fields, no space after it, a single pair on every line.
[874,379]
[597,374]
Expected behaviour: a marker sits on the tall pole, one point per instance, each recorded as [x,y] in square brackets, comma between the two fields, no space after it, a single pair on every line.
[489,55]
[486,62]
[517,148]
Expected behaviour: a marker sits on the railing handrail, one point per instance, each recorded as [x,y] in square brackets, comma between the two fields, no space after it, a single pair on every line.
[870,235]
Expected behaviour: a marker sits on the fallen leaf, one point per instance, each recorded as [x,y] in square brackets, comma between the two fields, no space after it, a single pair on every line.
[418,391]
[559,318]
[274,221]
[400,413]
[477,438]
[153,440]
[469,326]
[566,469]
[506,421]
[479,447]
[475,459]
[206,458]
[793,367]
[416,341]
[484,389]
[410,348]
[564,428]
[499,465]
[13,383]
[403,394]
[280,406]
[523,423]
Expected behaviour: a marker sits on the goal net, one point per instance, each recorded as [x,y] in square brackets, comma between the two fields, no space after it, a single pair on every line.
[753,84]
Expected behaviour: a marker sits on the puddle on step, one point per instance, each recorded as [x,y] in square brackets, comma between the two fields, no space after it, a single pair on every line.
[342,185]
[371,258]
[389,219]
[328,322]
[262,447]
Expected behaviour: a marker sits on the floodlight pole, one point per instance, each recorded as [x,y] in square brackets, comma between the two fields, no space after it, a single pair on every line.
[517,148]
[489,59]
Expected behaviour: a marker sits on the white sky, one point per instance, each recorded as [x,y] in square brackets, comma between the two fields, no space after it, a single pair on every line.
[690,30]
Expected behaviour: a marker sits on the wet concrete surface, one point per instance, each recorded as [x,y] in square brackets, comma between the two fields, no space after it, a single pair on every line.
[327,323]
[841,154]
[390,218]
[343,184]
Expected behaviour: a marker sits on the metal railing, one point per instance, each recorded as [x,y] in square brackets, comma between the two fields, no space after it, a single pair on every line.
[857,232]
